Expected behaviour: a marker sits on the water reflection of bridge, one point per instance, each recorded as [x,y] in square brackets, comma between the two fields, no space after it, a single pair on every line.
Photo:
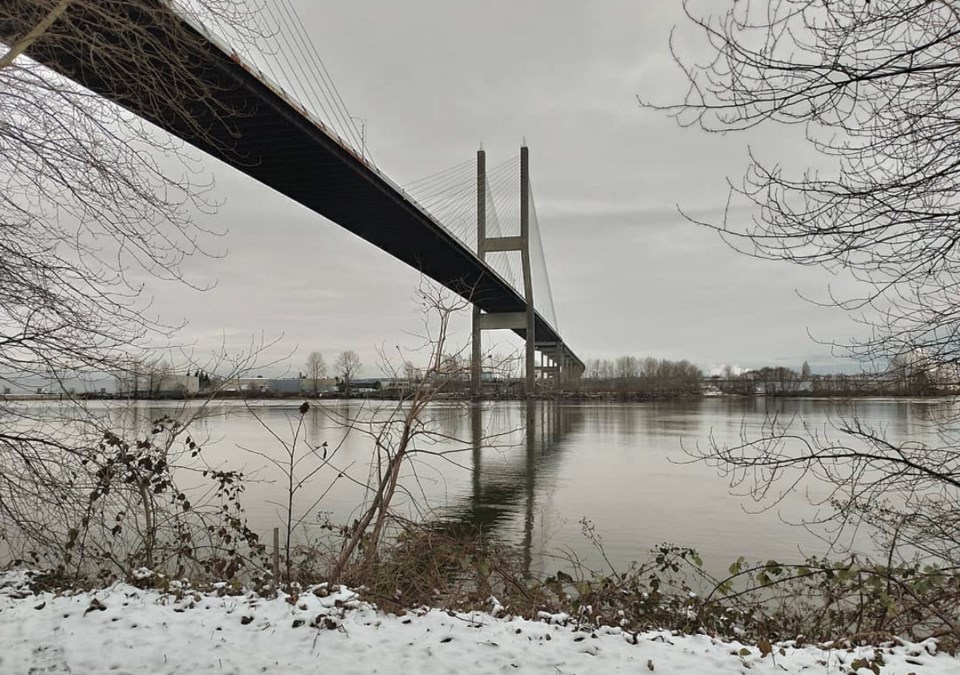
[507,462]
[515,451]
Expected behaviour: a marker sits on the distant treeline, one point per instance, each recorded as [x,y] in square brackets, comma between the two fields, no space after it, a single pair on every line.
[644,377]
[633,377]
[898,380]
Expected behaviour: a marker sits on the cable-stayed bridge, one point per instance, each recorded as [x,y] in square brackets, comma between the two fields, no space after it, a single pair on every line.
[459,231]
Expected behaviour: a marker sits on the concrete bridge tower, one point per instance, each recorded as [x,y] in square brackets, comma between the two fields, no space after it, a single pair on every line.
[525,321]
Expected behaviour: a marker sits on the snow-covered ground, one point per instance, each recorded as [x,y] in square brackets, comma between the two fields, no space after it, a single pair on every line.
[123,629]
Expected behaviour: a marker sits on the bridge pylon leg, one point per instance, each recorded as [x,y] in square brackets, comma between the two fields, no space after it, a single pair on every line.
[531,333]
[476,365]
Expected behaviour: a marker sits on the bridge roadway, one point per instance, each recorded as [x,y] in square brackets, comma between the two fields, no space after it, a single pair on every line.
[274,140]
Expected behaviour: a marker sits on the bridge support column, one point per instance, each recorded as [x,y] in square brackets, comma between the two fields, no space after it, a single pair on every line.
[562,366]
[531,337]
[554,368]
[476,365]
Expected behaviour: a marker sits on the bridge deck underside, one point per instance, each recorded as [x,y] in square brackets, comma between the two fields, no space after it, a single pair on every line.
[269,139]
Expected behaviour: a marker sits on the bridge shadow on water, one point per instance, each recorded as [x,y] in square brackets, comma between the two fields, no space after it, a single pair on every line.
[508,458]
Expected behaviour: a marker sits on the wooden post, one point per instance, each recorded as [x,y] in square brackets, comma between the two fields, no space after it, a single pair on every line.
[276,557]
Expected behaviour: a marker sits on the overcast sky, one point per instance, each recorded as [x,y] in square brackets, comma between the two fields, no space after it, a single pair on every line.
[433,80]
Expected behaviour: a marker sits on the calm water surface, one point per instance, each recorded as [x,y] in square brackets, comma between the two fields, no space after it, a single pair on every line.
[530,472]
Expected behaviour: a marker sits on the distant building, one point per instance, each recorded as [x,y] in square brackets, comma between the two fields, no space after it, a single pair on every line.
[308,385]
[361,384]
[776,387]
[368,384]
[285,386]
[175,385]
[253,385]
[158,385]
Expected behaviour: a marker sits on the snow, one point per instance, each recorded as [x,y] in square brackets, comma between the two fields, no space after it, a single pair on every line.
[126,630]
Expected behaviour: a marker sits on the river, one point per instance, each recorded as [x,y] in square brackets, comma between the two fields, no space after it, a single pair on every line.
[531,472]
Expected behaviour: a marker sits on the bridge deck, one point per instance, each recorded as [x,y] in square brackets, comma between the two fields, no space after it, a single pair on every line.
[271,139]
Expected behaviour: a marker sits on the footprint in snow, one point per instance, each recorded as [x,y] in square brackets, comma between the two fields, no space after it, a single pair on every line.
[48,660]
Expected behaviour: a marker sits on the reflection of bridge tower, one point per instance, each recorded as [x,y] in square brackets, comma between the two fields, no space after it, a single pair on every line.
[544,361]
[499,493]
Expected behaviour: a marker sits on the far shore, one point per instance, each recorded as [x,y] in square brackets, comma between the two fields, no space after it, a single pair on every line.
[577,397]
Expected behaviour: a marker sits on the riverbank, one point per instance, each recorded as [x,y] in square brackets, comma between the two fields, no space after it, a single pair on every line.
[123,629]
[566,396]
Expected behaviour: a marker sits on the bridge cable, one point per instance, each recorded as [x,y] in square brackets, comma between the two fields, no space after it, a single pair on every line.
[339,118]
[505,195]
[435,176]
[460,214]
[428,188]
[303,85]
[327,86]
[499,261]
[324,76]
[270,52]
[541,258]
[439,197]
[449,197]
[497,182]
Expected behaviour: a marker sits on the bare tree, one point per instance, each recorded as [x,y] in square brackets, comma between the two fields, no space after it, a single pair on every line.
[85,207]
[628,368]
[410,372]
[631,375]
[96,491]
[298,463]
[316,369]
[347,365]
[158,376]
[403,431]
[398,431]
[874,87]
[92,201]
